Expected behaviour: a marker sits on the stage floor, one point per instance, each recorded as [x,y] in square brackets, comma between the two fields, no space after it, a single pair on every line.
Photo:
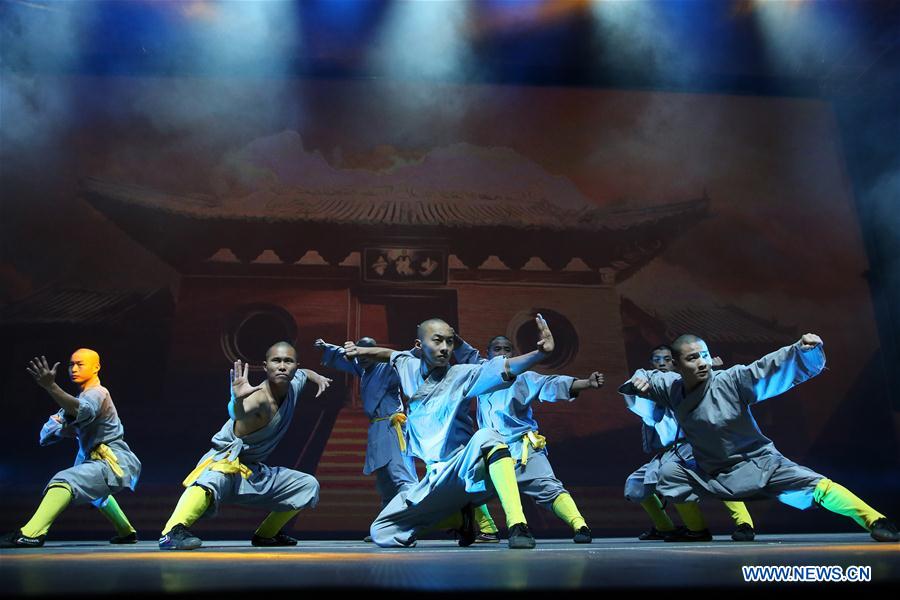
[67,568]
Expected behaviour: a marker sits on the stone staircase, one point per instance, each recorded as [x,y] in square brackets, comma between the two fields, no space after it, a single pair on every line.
[347,500]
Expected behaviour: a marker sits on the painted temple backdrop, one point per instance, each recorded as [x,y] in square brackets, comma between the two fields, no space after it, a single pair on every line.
[182,223]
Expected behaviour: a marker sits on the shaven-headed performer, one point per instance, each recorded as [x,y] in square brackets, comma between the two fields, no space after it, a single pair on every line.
[463,469]
[662,438]
[104,464]
[735,461]
[233,472]
[379,387]
[509,412]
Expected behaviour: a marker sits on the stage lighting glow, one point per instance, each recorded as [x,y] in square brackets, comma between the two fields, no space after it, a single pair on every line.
[665,38]
[423,39]
[798,35]
[235,35]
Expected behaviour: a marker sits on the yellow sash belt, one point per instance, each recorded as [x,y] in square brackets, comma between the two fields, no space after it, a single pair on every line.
[105,453]
[222,465]
[397,421]
[532,440]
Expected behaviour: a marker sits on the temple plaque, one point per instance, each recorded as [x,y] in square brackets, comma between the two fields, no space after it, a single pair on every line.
[404,265]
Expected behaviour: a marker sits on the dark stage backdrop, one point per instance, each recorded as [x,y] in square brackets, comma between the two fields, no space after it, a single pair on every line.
[119,175]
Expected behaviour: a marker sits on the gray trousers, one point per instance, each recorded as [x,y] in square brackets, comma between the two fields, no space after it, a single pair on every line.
[274,489]
[766,477]
[642,483]
[393,478]
[94,480]
[537,480]
[445,489]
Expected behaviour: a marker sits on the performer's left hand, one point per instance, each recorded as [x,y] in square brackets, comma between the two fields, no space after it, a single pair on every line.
[351,350]
[545,343]
[321,381]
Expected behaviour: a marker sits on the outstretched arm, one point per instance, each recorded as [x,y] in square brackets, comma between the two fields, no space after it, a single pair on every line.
[498,372]
[779,371]
[336,358]
[652,385]
[45,376]
[320,380]
[594,380]
[375,353]
[545,345]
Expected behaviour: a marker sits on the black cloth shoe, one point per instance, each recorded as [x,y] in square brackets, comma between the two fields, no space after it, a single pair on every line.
[743,533]
[583,535]
[469,529]
[130,538]
[520,537]
[368,539]
[654,534]
[16,539]
[683,534]
[491,537]
[179,538]
[280,539]
[882,530]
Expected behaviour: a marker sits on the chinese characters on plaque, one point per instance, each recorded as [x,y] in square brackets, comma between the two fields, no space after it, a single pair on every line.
[404,265]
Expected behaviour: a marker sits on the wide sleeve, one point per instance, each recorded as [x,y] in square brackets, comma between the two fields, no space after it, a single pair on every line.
[336,358]
[466,354]
[776,373]
[89,403]
[660,386]
[55,430]
[489,376]
[648,410]
[530,386]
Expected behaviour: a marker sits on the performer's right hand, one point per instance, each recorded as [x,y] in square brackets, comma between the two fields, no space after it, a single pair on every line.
[350,349]
[240,385]
[810,341]
[319,343]
[41,371]
[640,384]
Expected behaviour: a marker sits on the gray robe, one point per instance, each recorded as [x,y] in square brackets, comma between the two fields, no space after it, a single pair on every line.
[441,434]
[380,391]
[658,437]
[509,412]
[271,488]
[735,461]
[96,422]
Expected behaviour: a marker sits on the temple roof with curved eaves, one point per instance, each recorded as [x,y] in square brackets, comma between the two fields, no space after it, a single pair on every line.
[290,220]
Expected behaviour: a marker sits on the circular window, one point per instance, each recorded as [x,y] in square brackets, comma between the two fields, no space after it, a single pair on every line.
[252,329]
[523,330]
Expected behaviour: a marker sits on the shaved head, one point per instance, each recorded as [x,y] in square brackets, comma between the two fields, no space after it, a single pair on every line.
[86,354]
[425,327]
[500,345]
[279,346]
[84,366]
[683,340]
[436,339]
[499,338]
[366,342]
